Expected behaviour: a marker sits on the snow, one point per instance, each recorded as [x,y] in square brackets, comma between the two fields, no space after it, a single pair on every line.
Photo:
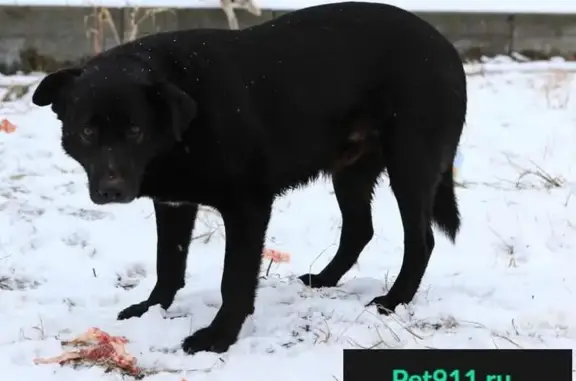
[481,6]
[67,265]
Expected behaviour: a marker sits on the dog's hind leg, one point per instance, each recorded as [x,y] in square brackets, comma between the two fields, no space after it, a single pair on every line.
[174,226]
[353,187]
[416,166]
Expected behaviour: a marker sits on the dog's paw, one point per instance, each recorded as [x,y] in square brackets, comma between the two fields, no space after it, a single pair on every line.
[384,304]
[316,281]
[208,339]
[135,310]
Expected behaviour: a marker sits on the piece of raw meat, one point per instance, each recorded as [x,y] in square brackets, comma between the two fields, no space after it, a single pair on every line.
[100,348]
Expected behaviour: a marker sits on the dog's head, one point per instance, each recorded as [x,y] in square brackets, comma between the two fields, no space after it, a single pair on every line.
[114,125]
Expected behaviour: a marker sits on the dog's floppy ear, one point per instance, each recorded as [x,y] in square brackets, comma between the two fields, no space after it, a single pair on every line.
[51,85]
[182,107]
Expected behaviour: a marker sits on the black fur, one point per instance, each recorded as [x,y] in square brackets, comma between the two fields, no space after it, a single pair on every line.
[232,119]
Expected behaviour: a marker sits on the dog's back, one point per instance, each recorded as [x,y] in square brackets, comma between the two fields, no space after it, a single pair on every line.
[343,49]
[292,82]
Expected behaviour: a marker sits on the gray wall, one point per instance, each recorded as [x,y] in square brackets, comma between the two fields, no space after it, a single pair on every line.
[36,38]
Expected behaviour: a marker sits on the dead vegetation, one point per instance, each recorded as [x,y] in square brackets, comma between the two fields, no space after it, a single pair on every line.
[229,7]
[98,24]
[213,225]
[102,19]
[395,331]
[508,248]
[547,181]
[544,179]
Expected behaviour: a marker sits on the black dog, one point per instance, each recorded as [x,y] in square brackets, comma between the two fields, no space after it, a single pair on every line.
[232,119]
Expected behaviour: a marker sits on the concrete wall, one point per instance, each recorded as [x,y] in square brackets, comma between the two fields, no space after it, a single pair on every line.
[36,38]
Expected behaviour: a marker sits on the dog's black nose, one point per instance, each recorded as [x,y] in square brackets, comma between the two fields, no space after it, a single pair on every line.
[111,193]
[111,189]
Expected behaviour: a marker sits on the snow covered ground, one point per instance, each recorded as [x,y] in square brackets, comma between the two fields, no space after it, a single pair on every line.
[67,265]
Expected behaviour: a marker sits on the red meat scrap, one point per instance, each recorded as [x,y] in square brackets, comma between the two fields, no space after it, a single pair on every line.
[96,347]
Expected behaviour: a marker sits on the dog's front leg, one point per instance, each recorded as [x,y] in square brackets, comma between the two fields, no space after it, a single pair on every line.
[245,223]
[174,225]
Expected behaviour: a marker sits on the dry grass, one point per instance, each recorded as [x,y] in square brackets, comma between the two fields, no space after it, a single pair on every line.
[508,248]
[229,6]
[421,329]
[101,18]
[547,180]
[212,222]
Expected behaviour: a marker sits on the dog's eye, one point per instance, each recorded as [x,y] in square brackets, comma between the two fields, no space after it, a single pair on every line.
[86,134]
[134,132]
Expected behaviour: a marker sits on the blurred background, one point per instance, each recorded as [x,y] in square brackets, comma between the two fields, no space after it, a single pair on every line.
[43,35]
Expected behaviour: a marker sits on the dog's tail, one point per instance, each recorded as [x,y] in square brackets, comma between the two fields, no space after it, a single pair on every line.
[445,210]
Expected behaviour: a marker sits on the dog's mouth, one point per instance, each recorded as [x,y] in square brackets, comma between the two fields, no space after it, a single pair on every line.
[119,192]
[111,197]
[103,199]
